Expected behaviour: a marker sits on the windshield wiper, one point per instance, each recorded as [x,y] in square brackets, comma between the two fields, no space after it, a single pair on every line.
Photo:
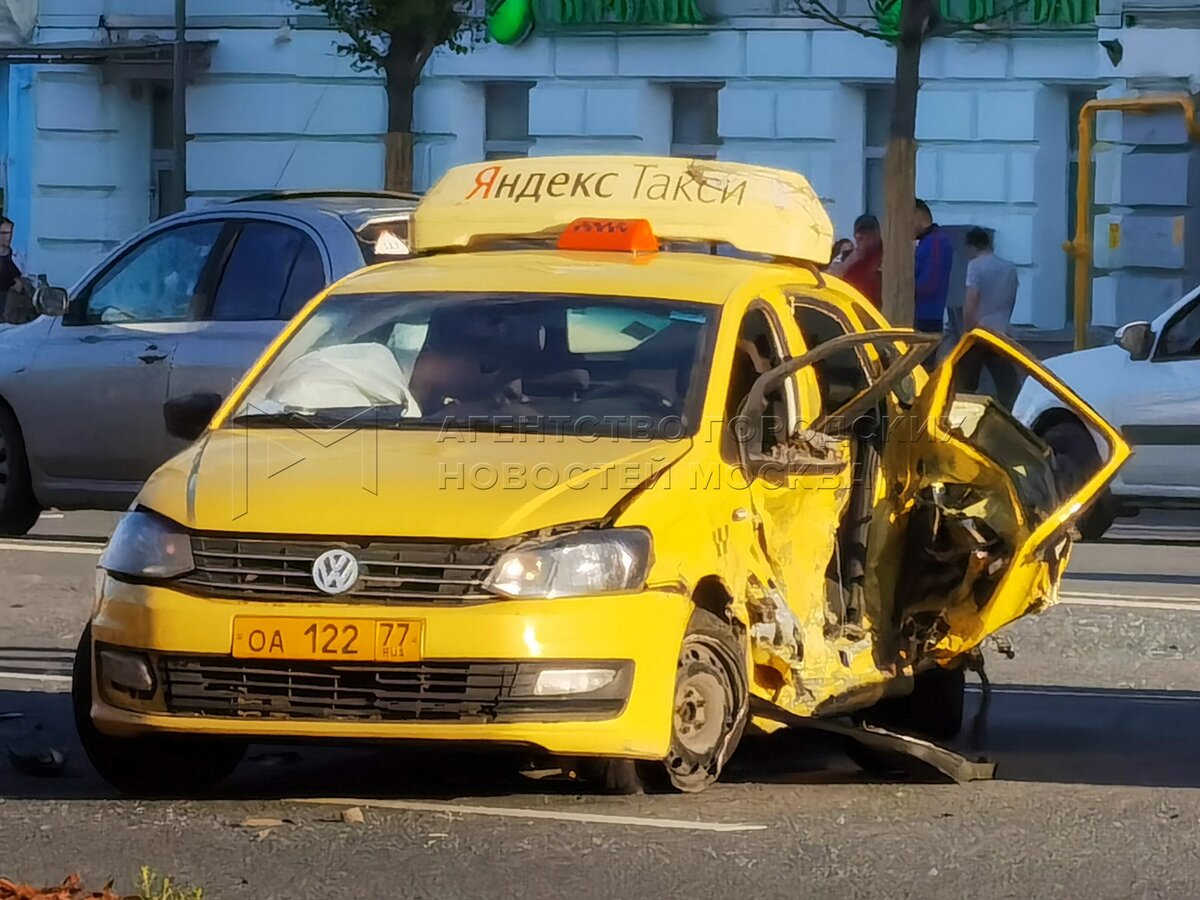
[385,416]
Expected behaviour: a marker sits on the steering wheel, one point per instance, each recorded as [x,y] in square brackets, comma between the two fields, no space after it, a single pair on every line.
[626,389]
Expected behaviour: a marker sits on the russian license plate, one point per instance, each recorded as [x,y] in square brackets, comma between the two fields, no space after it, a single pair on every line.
[344,640]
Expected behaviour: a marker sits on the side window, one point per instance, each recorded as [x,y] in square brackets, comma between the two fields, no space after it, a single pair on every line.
[308,279]
[269,267]
[841,376]
[156,281]
[1181,338]
[757,353]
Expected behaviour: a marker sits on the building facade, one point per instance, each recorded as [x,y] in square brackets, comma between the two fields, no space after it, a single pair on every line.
[271,105]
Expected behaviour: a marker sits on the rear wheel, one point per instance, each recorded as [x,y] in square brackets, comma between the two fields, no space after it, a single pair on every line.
[934,709]
[1076,460]
[162,766]
[19,509]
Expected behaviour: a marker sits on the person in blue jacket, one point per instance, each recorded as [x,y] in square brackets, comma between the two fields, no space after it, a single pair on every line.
[935,258]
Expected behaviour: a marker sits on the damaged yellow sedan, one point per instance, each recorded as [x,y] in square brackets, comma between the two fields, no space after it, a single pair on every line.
[608,471]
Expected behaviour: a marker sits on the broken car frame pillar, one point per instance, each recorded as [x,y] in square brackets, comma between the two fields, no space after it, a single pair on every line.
[1081,249]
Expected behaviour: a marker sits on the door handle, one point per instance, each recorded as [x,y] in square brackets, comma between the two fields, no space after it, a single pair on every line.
[149,357]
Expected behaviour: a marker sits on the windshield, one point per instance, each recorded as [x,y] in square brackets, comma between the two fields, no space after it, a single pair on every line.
[582,365]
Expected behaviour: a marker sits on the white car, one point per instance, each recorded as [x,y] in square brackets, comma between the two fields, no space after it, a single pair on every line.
[1148,385]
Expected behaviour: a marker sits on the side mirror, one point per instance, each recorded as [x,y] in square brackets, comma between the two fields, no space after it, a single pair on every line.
[187,417]
[50,301]
[1136,339]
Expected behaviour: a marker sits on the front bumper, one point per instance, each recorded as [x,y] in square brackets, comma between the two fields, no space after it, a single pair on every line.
[490,643]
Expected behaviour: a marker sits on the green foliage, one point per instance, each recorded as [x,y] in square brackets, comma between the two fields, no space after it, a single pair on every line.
[152,886]
[378,29]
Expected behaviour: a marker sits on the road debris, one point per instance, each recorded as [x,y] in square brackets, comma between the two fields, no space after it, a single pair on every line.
[70,889]
[32,755]
[283,758]
[256,823]
[353,816]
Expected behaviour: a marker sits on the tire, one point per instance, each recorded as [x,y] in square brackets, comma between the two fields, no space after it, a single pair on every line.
[710,706]
[149,767]
[19,509]
[933,711]
[1075,459]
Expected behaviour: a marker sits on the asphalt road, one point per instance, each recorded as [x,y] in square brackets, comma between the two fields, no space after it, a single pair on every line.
[1093,725]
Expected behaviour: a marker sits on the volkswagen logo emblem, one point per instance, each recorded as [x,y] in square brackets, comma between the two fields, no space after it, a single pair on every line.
[335,571]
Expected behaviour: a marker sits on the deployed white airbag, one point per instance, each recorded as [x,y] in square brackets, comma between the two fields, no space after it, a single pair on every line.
[344,375]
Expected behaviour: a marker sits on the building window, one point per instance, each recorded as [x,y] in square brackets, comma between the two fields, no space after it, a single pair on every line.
[694,132]
[162,149]
[878,116]
[506,134]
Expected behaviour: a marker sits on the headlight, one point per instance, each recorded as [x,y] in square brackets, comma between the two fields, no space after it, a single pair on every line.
[575,565]
[145,545]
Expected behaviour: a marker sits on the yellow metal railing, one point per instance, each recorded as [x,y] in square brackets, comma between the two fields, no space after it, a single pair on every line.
[1081,249]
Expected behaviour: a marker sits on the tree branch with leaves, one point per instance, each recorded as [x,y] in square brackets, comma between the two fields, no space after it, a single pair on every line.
[907,25]
[396,38]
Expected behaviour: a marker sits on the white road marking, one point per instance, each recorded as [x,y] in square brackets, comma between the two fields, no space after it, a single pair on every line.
[51,516]
[516,813]
[1084,693]
[26,676]
[52,547]
[1132,601]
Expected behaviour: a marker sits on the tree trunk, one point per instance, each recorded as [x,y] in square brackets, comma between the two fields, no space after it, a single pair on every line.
[402,83]
[900,167]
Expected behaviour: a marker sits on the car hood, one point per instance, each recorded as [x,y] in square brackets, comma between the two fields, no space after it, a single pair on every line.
[399,483]
[1083,369]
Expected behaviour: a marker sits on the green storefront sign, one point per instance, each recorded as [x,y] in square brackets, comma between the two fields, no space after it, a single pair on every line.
[1053,13]
[510,21]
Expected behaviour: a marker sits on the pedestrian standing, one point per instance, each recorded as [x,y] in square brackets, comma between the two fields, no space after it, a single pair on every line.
[935,259]
[991,286]
[10,269]
[991,295]
[863,268]
[15,295]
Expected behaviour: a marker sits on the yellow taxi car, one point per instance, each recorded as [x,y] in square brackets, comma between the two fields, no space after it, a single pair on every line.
[607,461]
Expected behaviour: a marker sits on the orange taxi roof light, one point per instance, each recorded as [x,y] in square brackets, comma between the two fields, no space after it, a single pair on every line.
[613,235]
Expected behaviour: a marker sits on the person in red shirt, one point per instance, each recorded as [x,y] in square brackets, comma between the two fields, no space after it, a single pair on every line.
[863,268]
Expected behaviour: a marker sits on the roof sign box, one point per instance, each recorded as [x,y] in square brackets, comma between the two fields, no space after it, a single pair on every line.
[612,235]
[754,209]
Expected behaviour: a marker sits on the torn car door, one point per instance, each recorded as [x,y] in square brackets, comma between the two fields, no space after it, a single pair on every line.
[800,486]
[981,524]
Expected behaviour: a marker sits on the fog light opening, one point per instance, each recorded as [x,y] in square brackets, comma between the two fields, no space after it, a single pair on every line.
[127,672]
[559,682]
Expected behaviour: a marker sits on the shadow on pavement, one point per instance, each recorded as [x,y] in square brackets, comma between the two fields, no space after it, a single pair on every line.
[1044,734]
[1066,735]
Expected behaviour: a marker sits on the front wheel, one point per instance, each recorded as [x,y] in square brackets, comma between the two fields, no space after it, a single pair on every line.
[161,766]
[711,704]
[19,508]
[933,711]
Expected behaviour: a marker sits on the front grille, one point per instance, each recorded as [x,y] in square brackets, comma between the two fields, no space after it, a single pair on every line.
[462,692]
[466,692]
[390,572]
